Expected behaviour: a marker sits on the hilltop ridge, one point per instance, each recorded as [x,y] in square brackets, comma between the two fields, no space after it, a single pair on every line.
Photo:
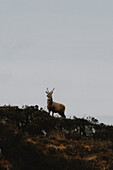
[32,139]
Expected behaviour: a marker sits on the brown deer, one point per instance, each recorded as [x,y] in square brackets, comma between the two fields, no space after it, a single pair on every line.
[53,106]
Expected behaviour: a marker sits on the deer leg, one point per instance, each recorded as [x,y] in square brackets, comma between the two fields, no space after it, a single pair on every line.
[49,112]
[52,113]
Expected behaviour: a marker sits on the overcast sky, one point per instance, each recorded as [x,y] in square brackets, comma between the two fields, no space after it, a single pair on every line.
[58,43]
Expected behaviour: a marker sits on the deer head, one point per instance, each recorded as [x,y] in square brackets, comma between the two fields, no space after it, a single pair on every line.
[49,94]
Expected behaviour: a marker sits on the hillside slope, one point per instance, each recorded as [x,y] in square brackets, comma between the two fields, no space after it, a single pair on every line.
[30,139]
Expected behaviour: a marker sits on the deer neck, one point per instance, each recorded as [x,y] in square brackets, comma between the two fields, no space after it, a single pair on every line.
[49,101]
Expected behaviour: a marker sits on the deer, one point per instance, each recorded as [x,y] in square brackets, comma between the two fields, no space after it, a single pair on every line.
[53,106]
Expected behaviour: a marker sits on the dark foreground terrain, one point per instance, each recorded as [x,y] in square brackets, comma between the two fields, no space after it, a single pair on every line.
[30,139]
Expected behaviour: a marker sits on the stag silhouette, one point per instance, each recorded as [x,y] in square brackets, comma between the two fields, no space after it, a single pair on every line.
[53,106]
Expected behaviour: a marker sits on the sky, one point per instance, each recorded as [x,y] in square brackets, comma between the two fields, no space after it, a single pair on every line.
[66,45]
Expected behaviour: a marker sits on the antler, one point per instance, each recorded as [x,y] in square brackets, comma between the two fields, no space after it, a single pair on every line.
[52,90]
[47,90]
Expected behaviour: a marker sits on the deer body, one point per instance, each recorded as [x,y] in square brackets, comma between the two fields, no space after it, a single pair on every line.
[53,106]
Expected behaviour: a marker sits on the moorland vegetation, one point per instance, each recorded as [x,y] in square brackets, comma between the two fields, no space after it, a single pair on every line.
[31,139]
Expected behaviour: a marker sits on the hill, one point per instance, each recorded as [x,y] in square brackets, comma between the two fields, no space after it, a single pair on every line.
[30,139]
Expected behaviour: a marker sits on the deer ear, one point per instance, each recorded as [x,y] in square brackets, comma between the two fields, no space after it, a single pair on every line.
[46,92]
